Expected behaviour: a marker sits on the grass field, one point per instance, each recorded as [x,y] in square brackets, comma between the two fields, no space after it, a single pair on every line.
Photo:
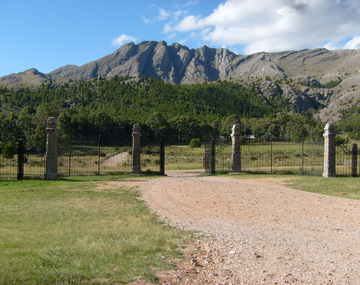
[80,231]
[345,187]
[85,230]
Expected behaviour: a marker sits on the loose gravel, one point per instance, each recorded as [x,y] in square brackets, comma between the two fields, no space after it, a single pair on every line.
[257,232]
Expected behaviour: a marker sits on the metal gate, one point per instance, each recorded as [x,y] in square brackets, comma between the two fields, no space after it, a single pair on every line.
[346,161]
[209,159]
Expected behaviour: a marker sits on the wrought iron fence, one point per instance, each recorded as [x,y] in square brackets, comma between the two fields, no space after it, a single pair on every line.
[89,156]
[24,163]
[8,168]
[86,155]
[306,158]
[150,158]
[344,159]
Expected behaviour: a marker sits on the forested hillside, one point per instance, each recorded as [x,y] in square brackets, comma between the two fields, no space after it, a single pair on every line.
[109,107]
[320,79]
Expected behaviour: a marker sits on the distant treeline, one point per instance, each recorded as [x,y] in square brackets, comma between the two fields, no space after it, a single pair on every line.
[175,113]
[350,121]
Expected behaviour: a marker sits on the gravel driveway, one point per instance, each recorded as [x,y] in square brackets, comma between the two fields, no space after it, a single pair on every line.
[258,232]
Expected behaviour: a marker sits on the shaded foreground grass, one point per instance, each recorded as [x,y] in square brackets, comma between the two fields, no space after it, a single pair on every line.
[337,186]
[81,231]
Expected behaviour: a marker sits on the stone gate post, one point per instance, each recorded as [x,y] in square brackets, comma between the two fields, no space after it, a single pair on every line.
[329,151]
[51,172]
[236,153]
[136,168]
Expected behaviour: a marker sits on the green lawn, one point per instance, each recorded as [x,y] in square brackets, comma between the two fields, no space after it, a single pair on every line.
[346,187]
[83,230]
[80,231]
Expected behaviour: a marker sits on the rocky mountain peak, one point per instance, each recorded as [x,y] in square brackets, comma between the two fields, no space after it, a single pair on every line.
[310,69]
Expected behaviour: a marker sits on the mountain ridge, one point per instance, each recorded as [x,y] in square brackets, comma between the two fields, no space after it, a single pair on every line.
[311,69]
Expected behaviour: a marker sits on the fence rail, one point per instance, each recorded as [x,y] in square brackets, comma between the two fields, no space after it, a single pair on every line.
[90,155]
[305,158]
[26,163]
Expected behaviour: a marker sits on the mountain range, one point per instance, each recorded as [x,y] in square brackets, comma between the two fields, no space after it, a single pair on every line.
[310,78]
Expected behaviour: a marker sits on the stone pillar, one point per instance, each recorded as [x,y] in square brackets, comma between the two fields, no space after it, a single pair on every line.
[136,149]
[329,151]
[236,154]
[51,150]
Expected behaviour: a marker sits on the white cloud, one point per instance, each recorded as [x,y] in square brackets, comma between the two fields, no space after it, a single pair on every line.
[189,3]
[276,25]
[192,3]
[122,40]
[163,15]
[146,20]
[354,43]
[182,42]
[171,36]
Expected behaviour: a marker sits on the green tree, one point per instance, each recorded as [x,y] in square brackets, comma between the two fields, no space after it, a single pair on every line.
[195,143]
[44,111]
[227,124]
[160,126]
[9,150]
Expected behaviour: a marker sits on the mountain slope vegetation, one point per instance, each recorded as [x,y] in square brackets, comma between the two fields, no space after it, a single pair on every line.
[332,75]
[109,107]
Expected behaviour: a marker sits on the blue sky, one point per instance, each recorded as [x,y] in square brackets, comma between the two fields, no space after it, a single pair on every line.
[48,34]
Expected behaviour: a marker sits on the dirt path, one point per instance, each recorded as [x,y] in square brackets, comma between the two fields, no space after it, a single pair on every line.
[259,233]
[116,159]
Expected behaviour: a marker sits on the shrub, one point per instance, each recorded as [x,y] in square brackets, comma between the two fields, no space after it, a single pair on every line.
[9,151]
[340,141]
[333,83]
[195,143]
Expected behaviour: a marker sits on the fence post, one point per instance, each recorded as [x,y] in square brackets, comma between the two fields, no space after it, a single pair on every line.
[236,152]
[162,158]
[329,151]
[271,156]
[302,156]
[99,152]
[20,153]
[212,171]
[354,160]
[136,167]
[70,155]
[51,150]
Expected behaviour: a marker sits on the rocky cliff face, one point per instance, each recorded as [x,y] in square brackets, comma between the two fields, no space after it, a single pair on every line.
[309,70]
[180,65]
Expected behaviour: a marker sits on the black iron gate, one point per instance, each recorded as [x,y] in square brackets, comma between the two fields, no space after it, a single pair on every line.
[346,162]
[209,160]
